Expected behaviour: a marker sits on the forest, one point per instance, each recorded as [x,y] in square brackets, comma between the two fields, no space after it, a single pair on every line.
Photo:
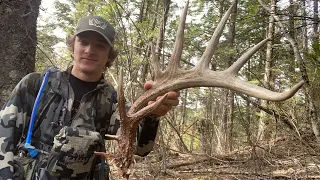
[214,133]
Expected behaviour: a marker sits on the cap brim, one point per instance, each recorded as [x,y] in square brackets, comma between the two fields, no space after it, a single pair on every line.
[107,39]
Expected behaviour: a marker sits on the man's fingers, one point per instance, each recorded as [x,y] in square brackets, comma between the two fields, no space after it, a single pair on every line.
[170,102]
[173,95]
[150,102]
[148,85]
[161,110]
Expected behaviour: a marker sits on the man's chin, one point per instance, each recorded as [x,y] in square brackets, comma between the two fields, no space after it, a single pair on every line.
[90,70]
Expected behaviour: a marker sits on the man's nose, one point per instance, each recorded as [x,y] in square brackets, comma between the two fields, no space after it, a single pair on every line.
[89,49]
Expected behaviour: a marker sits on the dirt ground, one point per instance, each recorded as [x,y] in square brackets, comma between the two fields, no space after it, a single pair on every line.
[283,158]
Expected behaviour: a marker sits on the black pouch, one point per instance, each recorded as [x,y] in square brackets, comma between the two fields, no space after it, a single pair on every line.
[24,167]
[72,154]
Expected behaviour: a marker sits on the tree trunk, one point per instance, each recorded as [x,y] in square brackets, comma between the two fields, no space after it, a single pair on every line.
[315,20]
[184,109]
[313,114]
[207,127]
[267,73]
[248,118]
[230,97]
[18,22]
[304,28]
[223,128]
[292,31]
[143,16]
[291,18]
[193,133]
[162,30]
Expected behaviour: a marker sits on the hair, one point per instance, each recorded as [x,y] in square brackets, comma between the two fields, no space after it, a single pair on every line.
[70,40]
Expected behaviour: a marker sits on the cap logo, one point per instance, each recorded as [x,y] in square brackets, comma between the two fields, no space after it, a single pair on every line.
[97,23]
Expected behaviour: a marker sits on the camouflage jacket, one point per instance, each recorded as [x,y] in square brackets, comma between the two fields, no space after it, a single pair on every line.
[54,112]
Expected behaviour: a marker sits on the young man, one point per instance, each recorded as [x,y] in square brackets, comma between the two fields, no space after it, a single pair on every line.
[77,108]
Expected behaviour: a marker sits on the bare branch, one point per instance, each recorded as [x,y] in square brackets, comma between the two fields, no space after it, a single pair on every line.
[155,61]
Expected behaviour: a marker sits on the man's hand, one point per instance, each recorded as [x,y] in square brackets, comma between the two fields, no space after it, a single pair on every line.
[169,102]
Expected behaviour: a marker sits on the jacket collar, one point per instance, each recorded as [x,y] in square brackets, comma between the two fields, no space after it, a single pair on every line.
[102,82]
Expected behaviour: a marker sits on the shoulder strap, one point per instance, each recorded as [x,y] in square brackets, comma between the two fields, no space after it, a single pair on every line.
[32,151]
[103,128]
[42,75]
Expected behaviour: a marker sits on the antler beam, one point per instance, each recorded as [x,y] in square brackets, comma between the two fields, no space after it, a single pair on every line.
[175,79]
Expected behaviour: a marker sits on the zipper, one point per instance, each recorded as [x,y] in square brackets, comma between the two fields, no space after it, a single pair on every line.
[80,105]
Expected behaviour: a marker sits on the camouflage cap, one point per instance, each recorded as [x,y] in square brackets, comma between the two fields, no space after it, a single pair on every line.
[97,24]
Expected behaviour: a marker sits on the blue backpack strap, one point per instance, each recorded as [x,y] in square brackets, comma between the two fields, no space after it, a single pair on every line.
[31,149]
[40,87]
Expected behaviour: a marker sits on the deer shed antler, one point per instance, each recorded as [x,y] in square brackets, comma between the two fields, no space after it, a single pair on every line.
[175,79]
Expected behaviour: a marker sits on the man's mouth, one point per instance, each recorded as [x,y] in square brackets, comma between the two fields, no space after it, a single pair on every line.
[89,59]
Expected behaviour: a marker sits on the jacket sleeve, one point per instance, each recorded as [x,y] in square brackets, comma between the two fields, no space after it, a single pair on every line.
[13,121]
[146,133]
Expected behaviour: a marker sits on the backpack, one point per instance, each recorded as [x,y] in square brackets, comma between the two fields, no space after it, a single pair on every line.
[68,152]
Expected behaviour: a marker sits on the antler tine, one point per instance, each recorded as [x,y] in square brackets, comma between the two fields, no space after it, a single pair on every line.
[121,98]
[259,92]
[112,137]
[155,61]
[236,66]
[208,53]
[178,45]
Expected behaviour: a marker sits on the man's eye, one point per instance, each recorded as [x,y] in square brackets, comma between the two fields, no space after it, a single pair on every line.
[101,46]
[84,42]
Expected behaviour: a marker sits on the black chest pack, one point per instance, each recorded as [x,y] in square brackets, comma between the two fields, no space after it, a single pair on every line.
[72,153]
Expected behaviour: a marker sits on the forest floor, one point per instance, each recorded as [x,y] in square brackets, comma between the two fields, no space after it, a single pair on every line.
[282,158]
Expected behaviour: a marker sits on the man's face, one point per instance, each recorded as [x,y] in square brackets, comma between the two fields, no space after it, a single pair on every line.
[90,53]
